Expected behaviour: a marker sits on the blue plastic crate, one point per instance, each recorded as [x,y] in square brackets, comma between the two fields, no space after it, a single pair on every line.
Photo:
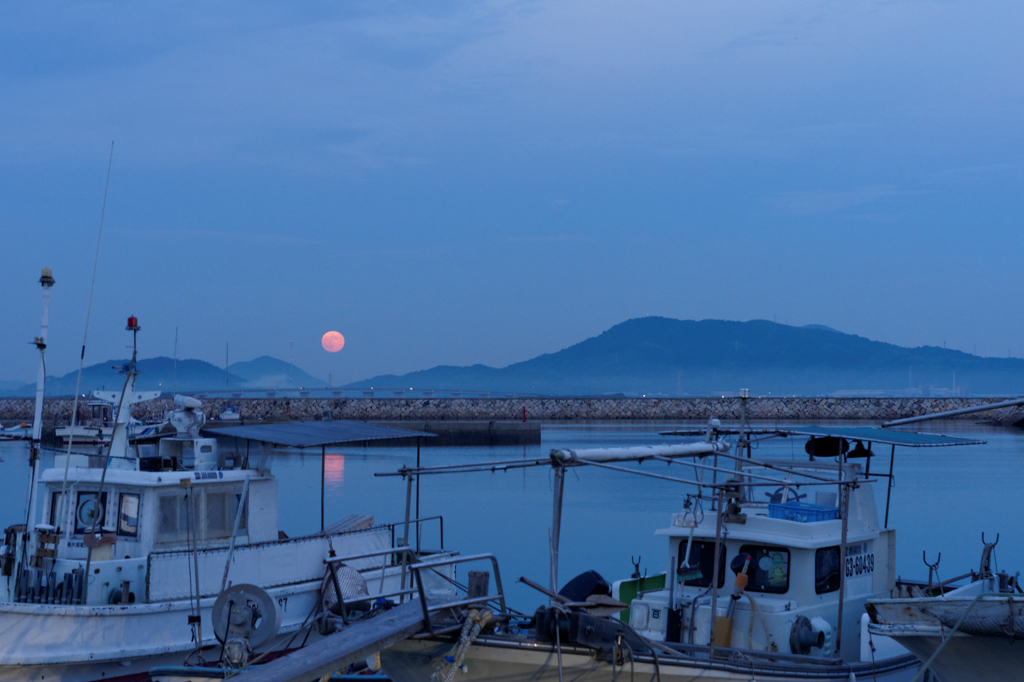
[802,512]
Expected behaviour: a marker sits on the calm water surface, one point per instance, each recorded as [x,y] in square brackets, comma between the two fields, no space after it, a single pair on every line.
[942,500]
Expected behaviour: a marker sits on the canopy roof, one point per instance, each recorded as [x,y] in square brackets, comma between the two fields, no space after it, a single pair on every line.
[308,434]
[867,433]
[852,433]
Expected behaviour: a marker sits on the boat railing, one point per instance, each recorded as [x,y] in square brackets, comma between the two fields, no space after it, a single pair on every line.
[416,584]
[419,523]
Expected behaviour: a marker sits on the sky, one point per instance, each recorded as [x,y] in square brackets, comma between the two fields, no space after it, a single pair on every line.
[482,182]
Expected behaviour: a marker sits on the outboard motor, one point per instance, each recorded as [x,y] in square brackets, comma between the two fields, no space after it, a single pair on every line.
[584,585]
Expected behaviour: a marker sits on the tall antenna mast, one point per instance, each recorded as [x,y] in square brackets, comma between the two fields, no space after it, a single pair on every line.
[227,380]
[291,361]
[174,384]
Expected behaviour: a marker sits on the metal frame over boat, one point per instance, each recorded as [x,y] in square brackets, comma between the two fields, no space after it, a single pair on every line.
[792,608]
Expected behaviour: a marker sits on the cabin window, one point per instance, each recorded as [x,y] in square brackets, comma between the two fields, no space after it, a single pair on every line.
[56,511]
[128,515]
[215,508]
[701,557]
[826,570]
[768,570]
[90,512]
[172,517]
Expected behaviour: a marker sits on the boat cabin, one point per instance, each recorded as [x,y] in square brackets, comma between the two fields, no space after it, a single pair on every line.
[788,551]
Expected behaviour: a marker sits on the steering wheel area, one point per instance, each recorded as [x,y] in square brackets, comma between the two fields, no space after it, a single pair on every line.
[791,495]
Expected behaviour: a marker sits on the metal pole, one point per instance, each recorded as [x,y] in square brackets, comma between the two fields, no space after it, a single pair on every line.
[556,523]
[405,538]
[714,575]
[954,413]
[888,489]
[47,281]
[419,526]
[323,475]
[842,569]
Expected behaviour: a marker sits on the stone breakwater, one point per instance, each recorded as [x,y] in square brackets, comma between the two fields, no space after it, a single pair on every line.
[543,409]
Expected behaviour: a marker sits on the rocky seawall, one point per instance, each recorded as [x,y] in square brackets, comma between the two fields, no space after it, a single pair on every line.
[58,410]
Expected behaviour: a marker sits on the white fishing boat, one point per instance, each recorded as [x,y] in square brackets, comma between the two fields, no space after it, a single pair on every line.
[784,601]
[131,562]
[15,431]
[951,628]
[97,417]
[229,414]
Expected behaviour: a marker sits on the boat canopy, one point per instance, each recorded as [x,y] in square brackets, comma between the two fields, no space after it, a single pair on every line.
[867,433]
[850,433]
[309,434]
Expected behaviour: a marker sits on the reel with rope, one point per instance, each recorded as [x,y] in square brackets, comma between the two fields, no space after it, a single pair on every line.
[244,617]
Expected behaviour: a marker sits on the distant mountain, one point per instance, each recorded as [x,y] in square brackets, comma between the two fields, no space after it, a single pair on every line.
[160,374]
[657,356]
[268,372]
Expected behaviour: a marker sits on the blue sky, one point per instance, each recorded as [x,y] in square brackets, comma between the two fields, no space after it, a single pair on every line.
[464,182]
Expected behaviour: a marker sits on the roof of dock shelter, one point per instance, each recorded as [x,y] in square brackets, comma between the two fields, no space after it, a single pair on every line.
[309,434]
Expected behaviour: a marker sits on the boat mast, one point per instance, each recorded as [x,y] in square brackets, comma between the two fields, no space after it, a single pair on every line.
[46,279]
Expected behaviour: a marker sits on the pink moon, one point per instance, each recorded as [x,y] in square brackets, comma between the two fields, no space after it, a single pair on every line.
[332,342]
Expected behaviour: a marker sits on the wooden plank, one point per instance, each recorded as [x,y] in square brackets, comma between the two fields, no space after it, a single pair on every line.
[338,651]
[351,522]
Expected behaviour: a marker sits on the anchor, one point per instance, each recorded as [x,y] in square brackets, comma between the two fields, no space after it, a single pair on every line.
[636,568]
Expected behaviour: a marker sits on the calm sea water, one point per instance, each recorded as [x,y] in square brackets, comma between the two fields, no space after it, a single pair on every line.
[942,500]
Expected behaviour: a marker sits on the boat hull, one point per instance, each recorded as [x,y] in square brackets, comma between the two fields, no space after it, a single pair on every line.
[987,629]
[496,659]
[45,642]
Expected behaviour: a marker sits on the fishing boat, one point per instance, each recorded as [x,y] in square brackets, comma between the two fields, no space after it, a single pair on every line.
[785,599]
[129,560]
[229,414]
[950,627]
[97,418]
[15,431]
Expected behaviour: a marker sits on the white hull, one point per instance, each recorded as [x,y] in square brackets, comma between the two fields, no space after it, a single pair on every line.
[506,660]
[979,659]
[46,642]
[85,643]
[990,654]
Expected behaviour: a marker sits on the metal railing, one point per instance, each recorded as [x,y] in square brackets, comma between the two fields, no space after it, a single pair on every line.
[415,569]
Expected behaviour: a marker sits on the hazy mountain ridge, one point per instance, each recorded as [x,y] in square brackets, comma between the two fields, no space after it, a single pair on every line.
[653,356]
[662,356]
[160,374]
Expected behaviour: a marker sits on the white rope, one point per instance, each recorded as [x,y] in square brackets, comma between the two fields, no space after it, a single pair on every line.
[85,337]
[455,660]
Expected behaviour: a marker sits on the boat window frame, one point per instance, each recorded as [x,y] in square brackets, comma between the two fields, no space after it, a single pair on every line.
[707,568]
[826,588]
[754,569]
[227,495]
[120,515]
[56,500]
[102,526]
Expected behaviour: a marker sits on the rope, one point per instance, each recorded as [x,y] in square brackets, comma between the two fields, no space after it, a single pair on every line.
[750,628]
[475,621]
[88,314]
